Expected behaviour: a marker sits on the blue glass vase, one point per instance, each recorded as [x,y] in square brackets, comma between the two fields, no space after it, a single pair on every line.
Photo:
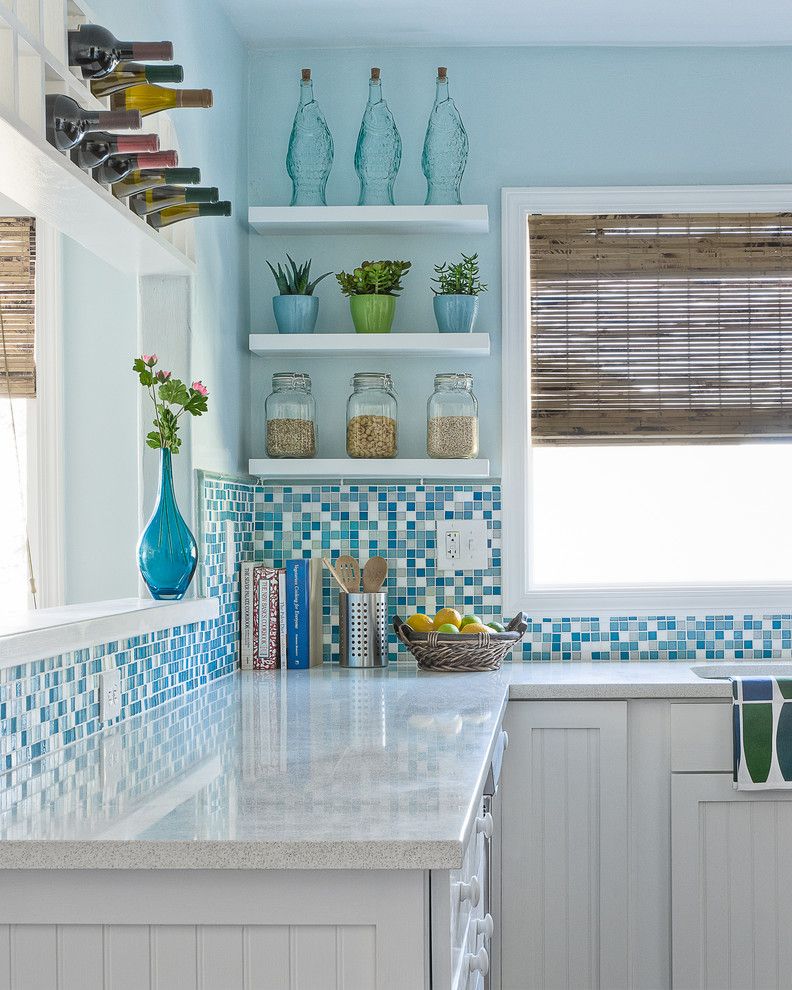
[379,149]
[445,149]
[310,155]
[167,551]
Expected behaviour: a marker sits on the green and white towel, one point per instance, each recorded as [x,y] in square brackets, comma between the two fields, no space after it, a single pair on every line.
[762,727]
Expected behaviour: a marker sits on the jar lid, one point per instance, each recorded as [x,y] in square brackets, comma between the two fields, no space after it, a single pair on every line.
[291,379]
[454,379]
[372,379]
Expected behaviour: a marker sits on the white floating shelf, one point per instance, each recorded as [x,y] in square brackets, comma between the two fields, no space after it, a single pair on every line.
[369,219]
[412,468]
[375,344]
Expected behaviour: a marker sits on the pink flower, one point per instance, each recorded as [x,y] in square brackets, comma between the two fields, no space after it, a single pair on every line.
[200,388]
[163,376]
[150,359]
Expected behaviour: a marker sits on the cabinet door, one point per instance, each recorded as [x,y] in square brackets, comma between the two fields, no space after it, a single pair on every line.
[731,864]
[564,846]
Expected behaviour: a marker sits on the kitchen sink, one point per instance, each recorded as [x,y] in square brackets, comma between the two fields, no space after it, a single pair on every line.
[776,668]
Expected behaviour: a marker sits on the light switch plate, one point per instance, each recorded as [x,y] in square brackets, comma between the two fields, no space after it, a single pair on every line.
[462,545]
[109,694]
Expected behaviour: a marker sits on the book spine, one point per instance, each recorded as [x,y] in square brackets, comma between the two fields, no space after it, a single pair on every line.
[283,651]
[315,593]
[246,615]
[298,614]
[265,618]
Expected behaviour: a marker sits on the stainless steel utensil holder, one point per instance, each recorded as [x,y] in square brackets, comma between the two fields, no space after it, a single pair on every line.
[363,634]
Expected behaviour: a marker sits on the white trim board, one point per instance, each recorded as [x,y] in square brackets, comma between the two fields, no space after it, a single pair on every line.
[361,344]
[346,468]
[517,205]
[369,219]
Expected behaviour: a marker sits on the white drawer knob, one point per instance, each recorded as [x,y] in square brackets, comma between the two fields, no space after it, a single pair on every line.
[486,825]
[478,962]
[470,891]
[485,926]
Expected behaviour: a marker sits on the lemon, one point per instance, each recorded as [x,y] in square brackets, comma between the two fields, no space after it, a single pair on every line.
[467,619]
[448,628]
[447,615]
[476,627]
[420,622]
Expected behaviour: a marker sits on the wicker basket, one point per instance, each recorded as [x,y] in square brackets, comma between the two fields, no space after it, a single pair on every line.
[464,653]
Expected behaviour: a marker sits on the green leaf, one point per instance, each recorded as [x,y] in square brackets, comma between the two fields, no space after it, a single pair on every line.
[174,392]
[153,440]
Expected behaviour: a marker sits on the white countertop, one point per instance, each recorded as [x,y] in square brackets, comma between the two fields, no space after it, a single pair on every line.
[323,769]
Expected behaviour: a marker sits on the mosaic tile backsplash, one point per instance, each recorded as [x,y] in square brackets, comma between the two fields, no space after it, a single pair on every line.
[397,521]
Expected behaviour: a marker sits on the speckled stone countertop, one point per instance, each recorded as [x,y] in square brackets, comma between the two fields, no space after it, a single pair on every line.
[319,770]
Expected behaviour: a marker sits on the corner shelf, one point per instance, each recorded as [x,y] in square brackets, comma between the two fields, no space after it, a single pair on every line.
[409,468]
[375,344]
[369,219]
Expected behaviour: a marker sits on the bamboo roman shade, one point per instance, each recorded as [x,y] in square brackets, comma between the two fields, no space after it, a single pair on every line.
[17,306]
[668,328]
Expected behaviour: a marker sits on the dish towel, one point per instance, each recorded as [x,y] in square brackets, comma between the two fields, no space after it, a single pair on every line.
[762,731]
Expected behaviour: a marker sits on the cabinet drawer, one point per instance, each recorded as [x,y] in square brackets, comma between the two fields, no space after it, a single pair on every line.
[701,737]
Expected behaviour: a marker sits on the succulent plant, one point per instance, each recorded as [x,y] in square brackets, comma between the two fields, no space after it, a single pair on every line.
[295,282]
[461,279]
[374,278]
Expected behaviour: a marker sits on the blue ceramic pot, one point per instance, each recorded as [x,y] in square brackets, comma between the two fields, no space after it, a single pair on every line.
[455,313]
[295,314]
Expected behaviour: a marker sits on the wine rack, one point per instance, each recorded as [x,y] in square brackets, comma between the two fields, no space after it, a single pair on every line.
[33,63]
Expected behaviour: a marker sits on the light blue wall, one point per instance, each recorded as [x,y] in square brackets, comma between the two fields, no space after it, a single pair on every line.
[101,311]
[535,117]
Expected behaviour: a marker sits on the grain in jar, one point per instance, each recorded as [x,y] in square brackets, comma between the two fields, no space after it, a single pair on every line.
[372,416]
[291,416]
[452,428]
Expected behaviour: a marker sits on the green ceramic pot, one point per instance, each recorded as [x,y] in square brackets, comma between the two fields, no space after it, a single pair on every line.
[372,314]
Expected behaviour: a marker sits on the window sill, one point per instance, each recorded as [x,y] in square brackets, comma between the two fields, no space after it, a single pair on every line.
[28,636]
[694,600]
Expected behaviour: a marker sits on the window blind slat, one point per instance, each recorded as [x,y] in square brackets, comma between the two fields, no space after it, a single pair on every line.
[668,328]
[18,305]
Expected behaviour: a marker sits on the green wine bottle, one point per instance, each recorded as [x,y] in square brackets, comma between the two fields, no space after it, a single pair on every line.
[147,178]
[163,197]
[128,74]
[188,212]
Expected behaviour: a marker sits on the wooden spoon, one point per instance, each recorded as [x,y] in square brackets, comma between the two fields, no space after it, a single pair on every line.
[348,569]
[334,572]
[374,574]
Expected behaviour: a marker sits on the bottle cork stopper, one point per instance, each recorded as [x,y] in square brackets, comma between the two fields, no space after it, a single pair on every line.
[375,73]
[442,72]
[306,75]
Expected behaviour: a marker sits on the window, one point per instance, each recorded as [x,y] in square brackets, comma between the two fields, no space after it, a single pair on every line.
[648,349]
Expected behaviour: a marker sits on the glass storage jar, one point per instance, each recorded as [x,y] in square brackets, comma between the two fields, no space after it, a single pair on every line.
[291,416]
[452,418]
[372,416]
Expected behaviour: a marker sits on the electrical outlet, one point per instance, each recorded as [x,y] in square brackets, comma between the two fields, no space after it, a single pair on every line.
[462,545]
[109,694]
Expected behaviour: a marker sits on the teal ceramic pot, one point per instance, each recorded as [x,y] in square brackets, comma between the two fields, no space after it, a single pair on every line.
[372,314]
[455,313]
[295,314]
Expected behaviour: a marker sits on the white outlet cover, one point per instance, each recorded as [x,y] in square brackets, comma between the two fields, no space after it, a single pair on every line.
[472,542]
[109,694]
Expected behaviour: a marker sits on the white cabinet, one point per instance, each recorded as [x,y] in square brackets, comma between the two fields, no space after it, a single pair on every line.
[565,841]
[731,865]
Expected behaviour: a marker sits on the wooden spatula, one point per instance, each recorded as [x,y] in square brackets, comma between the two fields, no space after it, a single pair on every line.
[348,570]
[374,574]
[333,571]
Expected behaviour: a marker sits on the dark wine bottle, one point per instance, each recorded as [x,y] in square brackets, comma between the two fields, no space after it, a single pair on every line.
[68,123]
[151,99]
[147,178]
[127,74]
[188,212]
[163,197]
[114,168]
[97,52]
[98,146]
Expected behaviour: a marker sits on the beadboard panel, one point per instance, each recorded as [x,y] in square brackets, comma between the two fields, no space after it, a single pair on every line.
[564,839]
[190,957]
[732,902]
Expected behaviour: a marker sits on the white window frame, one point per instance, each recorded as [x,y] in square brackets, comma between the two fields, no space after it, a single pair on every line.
[519,592]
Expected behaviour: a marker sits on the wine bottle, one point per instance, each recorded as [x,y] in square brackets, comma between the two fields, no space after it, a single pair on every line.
[310,155]
[151,99]
[445,149]
[68,123]
[189,211]
[116,167]
[147,178]
[127,74]
[163,197]
[99,145]
[379,148]
[97,52]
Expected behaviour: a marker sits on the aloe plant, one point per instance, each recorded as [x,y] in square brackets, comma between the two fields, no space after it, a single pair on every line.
[294,280]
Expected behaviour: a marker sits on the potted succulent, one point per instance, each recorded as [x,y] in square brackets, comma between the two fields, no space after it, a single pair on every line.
[372,289]
[456,298]
[296,308]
